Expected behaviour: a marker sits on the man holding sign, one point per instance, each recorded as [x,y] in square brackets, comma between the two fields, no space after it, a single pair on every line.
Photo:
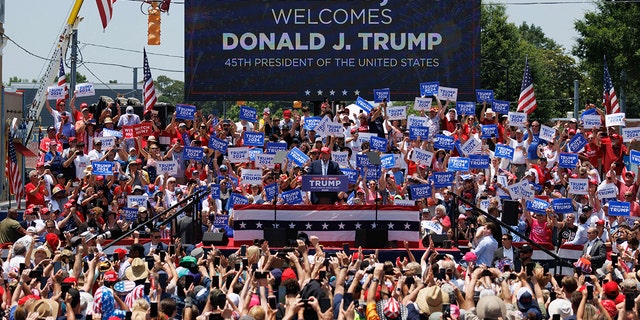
[326,167]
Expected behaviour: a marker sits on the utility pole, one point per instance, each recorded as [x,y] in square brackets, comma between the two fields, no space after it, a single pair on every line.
[3,43]
[74,61]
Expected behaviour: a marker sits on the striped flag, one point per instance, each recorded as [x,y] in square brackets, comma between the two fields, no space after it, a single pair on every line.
[62,80]
[105,8]
[149,89]
[527,101]
[609,94]
[13,172]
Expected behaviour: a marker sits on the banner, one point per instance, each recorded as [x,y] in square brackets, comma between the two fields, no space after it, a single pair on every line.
[443,179]
[607,192]
[137,201]
[519,190]
[292,196]
[185,111]
[238,154]
[618,208]
[422,104]
[352,174]
[143,129]
[568,160]
[577,143]
[274,147]
[417,121]
[489,131]
[193,153]
[443,142]
[127,132]
[378,144]
[418,131]
[271,191]
[501,107]
[471,146]
[547,133]
[215,191]
[479,161]
[420,191]
[218,144]
[380,95]
[237,199]
[484,96]
[446,93]
[221,220]
[615,119]
[106,132]
[310,123]
[388,161]
[130,214]
[465,108]
[537,206]
[102,168]
[298,157]
[85,90]
[362,160]
[404,203]
[578,186]
[458,164]
[422,157]
[629,134]
[248,114]
[56,92]
[591,121]
[428,89]
[397,113]
[504,151]
[518,119]
[562,205]
[107,142]
[253,139]
[170,167]
[372,172]
[341,157]
[335,129]
[333,183]
[364,104]
[251,177]
[265,160]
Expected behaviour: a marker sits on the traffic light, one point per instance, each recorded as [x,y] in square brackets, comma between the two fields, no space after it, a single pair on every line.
[153,38]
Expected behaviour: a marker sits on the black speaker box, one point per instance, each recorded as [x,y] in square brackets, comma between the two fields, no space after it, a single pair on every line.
[215,238]
[280,237]
[375,239]
[510,212]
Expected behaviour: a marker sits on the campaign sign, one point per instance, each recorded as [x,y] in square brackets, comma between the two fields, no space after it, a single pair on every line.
[264,160]
[102,168]
[388,161]
[578,186]
[362,160]
[416,121]
[186,139]
[335,129]
[292,196]
[144,129]
[504,151]
[218,144]
[479,161]
[237,198]
[615,119]
[404,203]
[271,191]
[193,153]
[629,134]
[489,131]
[484,96]
[170,167]
[251,176]
[608,192]
[253,152]
[335,183]
[577,143]
[274,147]
[130,214]
[85,90]
[459,164]
[378,144]
[397,113]
[297,156]
[568,160]
[484,204]
[471,146]
[238,154]
[420,191]
[107,142]
[106,132]
[56,92]
[501,107]
[562,205]
[341,157]
[521,189]
[248,114]
[591,121]
[422,104]
[352,174]
[221,220]
[422,157]
[537,205]
[137,201]
[634,157]
[185,111]
[418,131]
[443,142]
[253,139]
[310,123]
[547,133]
[446,93]
[619,208]
[372,172]
[364,104]
[215,190]
[380,95]
[127,132]
[465,108]
[518,119]
[443,179]
[321,127]
[428,89]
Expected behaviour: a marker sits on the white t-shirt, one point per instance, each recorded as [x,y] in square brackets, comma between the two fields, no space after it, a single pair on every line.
[81,162]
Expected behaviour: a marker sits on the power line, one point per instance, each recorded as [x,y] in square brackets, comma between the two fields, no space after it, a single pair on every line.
[534,3]
[130,50]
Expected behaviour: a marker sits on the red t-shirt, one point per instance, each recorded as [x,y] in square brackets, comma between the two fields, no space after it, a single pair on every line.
[36,199]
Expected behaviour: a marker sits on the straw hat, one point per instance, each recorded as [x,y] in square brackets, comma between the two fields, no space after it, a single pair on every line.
[138,270]
[430,299]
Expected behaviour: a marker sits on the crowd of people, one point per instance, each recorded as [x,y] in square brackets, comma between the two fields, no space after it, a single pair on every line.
[56,265]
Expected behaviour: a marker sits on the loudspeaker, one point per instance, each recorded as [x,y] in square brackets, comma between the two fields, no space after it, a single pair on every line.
[510,212]
[215,238]
[280,237]
[373,239]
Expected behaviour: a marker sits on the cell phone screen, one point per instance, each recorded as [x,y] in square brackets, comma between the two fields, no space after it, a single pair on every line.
[237,266]
[147,288]
[57,266]
[216,261]
[163,255]
[347,299]
[325,304]
[346,249]
[243,250]
[272,302]
[172,250]
[629,301]
[153,311]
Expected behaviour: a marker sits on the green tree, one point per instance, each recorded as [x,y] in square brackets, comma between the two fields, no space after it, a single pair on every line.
[611,30]
[169,90]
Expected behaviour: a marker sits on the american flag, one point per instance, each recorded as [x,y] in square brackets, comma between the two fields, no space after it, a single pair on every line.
[149,89]
[609,94]
[105,8]
[527,101]
[62,80]
[13,172]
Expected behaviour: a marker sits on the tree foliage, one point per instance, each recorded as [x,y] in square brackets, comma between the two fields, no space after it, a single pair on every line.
[611,30]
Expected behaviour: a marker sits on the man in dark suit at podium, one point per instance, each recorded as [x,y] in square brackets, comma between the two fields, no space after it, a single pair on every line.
[325,167]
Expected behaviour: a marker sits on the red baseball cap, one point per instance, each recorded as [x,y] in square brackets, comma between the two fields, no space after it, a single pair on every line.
[121,252]
[286,114]
[325,150]
[111,276]
[70,280]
